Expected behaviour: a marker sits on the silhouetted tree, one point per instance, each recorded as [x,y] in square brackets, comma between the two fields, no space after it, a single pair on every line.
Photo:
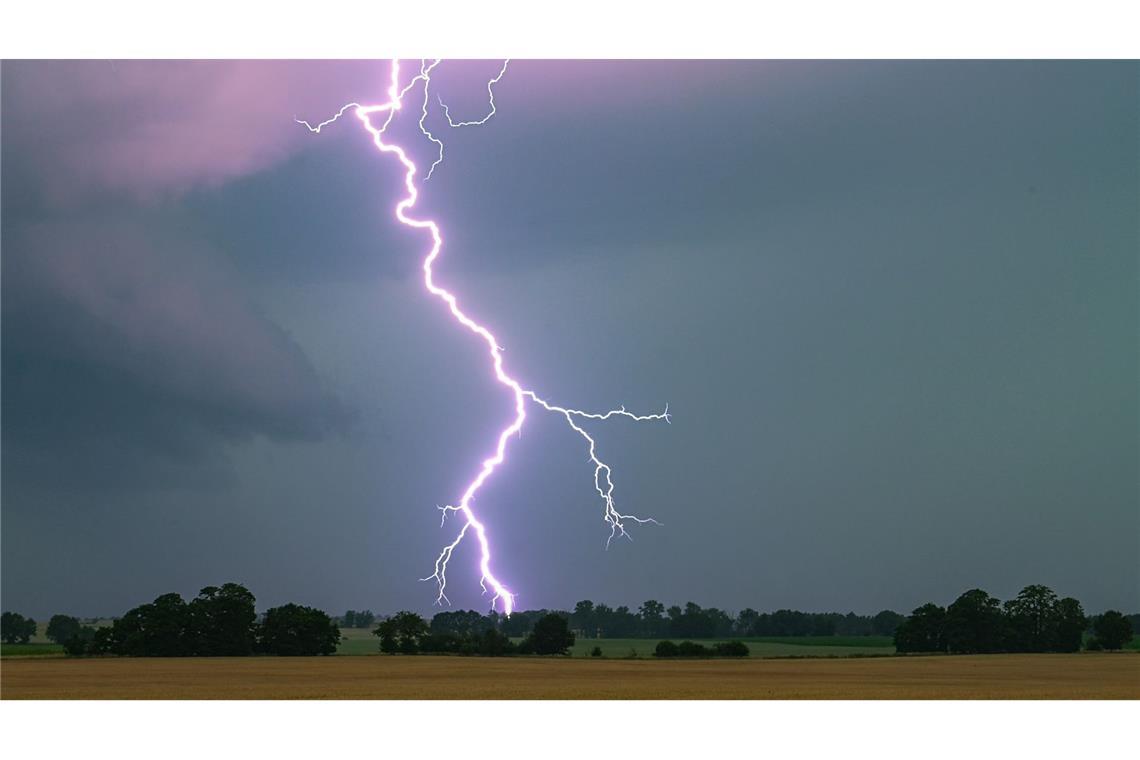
[691,649]
[61,628]
[652,614]
[666,649]
[551,635]
[923,631]
[294,630]
[80,641]
[746,622]
[1031,620]
[886,622]
[492,643]
[974,623]
[1112,630]
[462,623]
[730,649]
[1071,625]
[402,632]
[583,619]
[222,621]
[158,629]
[102,641]
[16,629]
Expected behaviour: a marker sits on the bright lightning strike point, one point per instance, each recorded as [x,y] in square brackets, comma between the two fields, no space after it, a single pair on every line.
[603,481]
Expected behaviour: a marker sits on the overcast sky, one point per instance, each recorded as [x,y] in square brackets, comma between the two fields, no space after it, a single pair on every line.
[892,307]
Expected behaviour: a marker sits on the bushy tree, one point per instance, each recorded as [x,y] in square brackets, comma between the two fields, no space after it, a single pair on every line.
[1071,625]
[294,630]
[666,649]
[1031,620]
[730,649]
[403,632]
[102,641]
[61,628]
[1112,629]
[492,643]
[551,635]
[158,629]
[974,623]
[79,642]
[461,623]
[691,649]
[885,623]
[16,629]
[583,619]
[222,621]
[923,631]
[746,622]
[521,622]
[652,614]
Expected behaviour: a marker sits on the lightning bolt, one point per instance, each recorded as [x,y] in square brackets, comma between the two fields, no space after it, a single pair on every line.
[603,474]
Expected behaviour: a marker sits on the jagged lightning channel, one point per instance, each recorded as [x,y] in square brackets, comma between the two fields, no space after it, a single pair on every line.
[603,480]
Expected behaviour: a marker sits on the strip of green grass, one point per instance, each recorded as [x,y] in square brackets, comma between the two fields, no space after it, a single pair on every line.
[827,641]
[354,641]
[31,650]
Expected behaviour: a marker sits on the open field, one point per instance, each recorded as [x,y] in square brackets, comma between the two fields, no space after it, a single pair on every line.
[1033,676]
[358,641]
[804,646]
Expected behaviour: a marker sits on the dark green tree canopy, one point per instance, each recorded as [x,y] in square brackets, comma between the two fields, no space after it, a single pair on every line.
[1112,629]
[1031,620]
[222,621]
[403,632]
[16,629]
[61,628]
[551,635]
[923,631]
[974,623]
[293,630]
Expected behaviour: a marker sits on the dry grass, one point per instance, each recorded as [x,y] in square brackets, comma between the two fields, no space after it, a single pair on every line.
[1079,676]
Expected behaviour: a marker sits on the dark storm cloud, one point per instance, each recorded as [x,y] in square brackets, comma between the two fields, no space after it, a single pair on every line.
[122,346]
[130,349]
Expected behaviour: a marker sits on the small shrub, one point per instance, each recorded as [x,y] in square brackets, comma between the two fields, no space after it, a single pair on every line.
[596,652]
[731,649]
[692,649]
[665,649]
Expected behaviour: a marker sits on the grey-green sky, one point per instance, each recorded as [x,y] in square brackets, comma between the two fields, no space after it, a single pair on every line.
[892,307]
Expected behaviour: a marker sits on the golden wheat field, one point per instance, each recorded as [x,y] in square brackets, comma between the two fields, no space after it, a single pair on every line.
[1077,676]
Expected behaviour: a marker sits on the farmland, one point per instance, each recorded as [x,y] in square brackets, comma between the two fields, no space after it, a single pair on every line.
[1014,676]
[359,641]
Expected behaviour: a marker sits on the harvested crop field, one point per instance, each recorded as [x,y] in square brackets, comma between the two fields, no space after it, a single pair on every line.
[1077,676]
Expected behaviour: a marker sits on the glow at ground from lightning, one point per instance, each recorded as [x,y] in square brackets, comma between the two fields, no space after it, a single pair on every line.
[603,481]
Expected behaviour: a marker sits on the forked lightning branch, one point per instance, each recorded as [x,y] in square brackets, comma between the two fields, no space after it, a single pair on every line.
[376,119]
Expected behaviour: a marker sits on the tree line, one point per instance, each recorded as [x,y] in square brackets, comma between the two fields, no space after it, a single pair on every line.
[469,633]
[1036,620]
[653,620]
[220,622]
